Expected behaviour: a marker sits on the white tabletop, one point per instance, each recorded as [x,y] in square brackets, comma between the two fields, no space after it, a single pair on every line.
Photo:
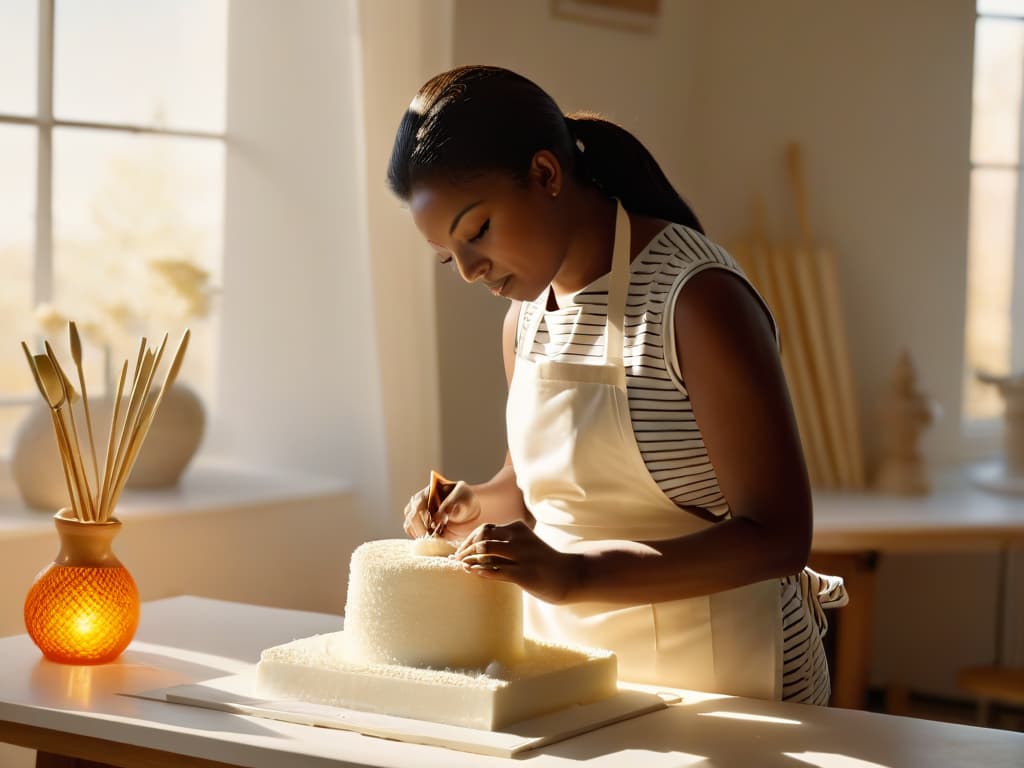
[954,516]
[188,639]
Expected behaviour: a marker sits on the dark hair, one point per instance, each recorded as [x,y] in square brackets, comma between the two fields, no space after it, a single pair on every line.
[478,119]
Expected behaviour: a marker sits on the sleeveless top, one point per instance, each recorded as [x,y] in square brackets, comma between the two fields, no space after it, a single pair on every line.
[663,422]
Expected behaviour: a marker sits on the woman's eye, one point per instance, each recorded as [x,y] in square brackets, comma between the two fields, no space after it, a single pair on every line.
[483,231]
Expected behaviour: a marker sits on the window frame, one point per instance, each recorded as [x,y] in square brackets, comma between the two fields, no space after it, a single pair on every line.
[45,123]
[981,434]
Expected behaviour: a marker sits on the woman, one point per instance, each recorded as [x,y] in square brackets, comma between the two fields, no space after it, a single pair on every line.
[654,499]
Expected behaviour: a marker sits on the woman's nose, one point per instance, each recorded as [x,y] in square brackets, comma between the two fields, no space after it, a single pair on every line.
[471,269]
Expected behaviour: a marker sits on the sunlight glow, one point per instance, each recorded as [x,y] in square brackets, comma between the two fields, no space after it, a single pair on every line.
[747,716]
[78,683]
[832,760]
[227,665]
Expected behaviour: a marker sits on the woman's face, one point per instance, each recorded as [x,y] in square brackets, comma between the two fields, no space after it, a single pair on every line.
[495,229]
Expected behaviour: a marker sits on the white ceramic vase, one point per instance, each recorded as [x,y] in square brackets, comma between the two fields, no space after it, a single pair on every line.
[173,439]
[35,461]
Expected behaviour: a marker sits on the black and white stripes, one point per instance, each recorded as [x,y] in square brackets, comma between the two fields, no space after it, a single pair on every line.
[666,430]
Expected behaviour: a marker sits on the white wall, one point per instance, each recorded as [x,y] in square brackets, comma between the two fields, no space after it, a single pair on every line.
[878,93]
[300,384]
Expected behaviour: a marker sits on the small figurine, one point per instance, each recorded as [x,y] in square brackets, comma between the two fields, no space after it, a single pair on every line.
[906,413]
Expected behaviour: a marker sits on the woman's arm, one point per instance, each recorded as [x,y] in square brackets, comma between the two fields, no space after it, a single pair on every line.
[730,363]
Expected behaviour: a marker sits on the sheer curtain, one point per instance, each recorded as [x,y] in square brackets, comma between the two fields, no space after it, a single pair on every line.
[327,332]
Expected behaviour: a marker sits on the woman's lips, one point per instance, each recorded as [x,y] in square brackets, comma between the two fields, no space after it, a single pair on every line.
[498,288]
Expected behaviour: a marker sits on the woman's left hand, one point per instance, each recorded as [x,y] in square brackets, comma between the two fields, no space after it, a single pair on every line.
[513,552]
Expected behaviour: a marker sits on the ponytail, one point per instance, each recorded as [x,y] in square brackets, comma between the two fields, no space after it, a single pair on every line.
[475,119]
[617,163]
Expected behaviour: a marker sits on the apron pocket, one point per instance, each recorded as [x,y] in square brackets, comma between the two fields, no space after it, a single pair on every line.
[746,625]
[685,656]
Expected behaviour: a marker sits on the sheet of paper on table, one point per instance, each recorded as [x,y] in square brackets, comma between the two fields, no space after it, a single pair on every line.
[236,693]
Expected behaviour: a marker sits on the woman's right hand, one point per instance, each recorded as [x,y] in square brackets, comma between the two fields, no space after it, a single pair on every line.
[456,518]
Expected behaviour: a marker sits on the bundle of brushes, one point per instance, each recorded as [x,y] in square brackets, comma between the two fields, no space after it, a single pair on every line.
[93,502]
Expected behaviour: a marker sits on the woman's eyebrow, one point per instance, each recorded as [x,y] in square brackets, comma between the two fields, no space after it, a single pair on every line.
[462,213]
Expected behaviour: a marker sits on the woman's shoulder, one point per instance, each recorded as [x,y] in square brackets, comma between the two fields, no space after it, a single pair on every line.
[677,252]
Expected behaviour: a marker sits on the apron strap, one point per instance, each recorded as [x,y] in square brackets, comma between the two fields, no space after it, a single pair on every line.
[617,287]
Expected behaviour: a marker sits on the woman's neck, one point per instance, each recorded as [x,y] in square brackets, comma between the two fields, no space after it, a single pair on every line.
[589,254]
[591,217]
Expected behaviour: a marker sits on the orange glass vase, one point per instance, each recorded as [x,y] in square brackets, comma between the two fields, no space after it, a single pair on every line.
[83,608]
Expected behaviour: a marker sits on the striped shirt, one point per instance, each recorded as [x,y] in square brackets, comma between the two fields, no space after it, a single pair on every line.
[666,430]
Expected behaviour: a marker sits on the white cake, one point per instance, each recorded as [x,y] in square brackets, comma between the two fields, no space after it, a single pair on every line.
[425,639]
[409,604]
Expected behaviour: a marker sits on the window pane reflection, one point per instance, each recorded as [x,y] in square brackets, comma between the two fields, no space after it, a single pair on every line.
[1007,7]
[989,285]
[17,224]
[159,63]
[18,54]
[998,58]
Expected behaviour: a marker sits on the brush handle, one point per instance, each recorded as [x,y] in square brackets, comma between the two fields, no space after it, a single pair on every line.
[74,464]
[76,355]
[90,507]
[76,504]
[135,402]
[147,421]
[108,459]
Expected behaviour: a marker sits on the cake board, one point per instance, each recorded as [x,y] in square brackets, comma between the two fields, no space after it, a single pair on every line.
[237,694]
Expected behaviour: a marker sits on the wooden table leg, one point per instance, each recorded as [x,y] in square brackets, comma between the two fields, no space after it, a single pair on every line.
[852,624]
[56,749]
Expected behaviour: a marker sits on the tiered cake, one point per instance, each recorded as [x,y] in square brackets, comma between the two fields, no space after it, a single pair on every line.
[425,639]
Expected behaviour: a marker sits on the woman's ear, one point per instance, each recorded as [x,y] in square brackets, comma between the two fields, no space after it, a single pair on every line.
[546,171]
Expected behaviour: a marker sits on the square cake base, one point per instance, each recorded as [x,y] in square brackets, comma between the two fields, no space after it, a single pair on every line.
[237,694]
[550,677]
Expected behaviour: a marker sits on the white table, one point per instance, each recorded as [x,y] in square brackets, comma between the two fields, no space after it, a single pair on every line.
[77,712]
[852,529]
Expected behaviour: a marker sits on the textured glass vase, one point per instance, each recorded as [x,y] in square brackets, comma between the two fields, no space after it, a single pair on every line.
[83,608]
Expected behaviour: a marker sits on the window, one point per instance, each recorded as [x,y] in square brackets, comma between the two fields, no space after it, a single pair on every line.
[112,117]
[995,275]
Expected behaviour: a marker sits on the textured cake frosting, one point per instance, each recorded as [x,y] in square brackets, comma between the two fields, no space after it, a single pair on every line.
[550,677]
[408,604]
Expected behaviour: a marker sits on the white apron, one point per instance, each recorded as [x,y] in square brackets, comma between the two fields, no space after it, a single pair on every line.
[583,478]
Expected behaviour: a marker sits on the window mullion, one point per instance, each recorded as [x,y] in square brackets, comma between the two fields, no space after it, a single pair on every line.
[43,263]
